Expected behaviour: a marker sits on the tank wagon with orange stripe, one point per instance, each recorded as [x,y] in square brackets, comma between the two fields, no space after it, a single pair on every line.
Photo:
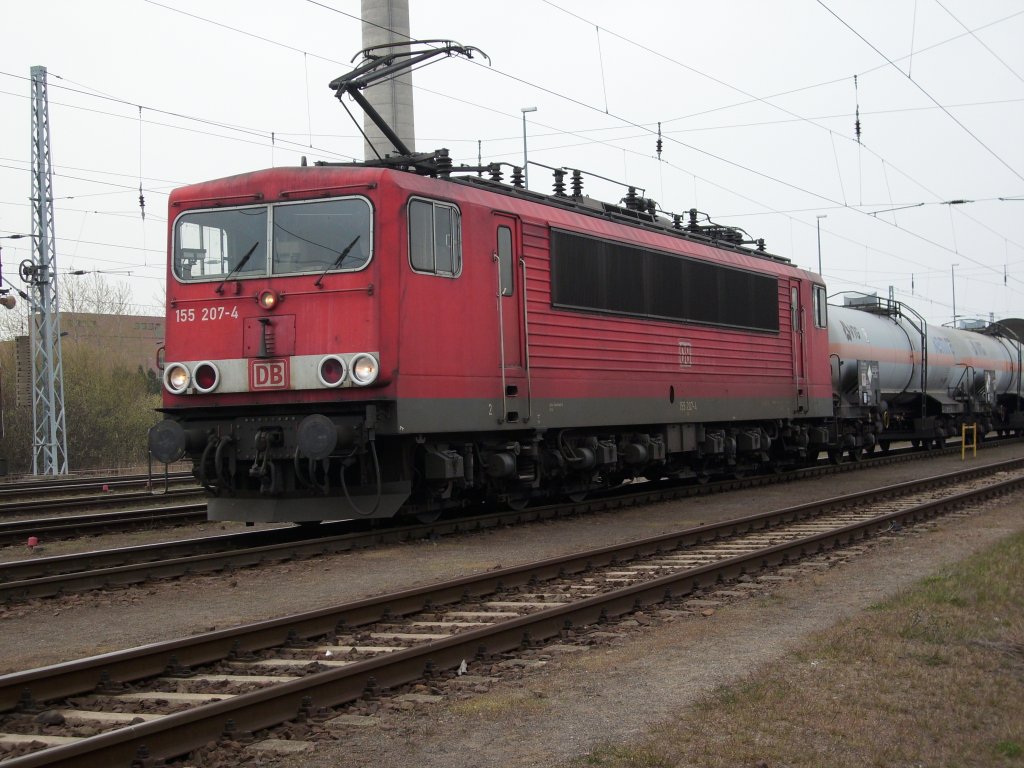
[896,377]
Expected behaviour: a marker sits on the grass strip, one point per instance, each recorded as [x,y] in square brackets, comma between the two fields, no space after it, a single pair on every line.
[933,676]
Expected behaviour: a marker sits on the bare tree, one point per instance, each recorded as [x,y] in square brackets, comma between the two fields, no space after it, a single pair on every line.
[95,293]
[91,293]
[14,321]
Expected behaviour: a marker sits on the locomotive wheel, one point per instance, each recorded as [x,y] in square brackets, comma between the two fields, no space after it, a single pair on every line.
[517,503]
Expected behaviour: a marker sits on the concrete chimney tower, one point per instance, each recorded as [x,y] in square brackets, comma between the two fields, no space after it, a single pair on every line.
[384,22]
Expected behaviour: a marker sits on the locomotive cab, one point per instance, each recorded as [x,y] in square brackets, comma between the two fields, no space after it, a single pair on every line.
[273,350]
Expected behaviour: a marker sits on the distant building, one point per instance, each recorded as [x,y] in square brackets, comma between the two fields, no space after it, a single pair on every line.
[129,341]
[132,340]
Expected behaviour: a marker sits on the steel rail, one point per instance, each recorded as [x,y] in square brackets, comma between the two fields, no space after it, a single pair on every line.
[18,530]
[98,500]
[32,487]
[178,733]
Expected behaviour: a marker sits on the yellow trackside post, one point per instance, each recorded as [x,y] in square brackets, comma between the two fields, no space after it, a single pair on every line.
[973,429]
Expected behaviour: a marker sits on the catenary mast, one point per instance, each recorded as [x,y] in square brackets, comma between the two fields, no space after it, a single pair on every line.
[49,439]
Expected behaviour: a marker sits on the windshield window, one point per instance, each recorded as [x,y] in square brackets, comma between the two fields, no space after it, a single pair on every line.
[322,236]
[308,237]
[208,245]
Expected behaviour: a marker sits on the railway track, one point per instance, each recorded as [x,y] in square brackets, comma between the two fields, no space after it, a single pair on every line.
[49,576]
[68,488]
[70,526]
[10,509]
[75,485]
[17,527]
[182,695]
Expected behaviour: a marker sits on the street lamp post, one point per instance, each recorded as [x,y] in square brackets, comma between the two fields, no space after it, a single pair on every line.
[526,168]
[820,217]
[952,275]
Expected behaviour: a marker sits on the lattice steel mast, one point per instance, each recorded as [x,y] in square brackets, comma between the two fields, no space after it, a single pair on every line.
[49,440]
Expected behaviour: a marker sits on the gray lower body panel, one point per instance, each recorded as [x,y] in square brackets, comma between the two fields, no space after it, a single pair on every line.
[439,415]
[362,502]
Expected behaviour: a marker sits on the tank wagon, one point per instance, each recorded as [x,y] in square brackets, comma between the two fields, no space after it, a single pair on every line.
[897,377]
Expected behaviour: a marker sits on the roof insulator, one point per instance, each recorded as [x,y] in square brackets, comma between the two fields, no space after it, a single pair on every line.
[577,184]
[559,183]
[631,200]
[443,163]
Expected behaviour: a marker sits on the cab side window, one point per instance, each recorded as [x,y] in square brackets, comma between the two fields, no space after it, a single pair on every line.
[435,238]
[820,307]
[505,261]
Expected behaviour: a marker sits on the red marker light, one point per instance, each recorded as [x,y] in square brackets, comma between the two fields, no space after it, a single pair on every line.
[332,371]
[206,377]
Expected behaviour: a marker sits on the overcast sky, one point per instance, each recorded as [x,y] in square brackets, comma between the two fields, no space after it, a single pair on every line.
[756,102]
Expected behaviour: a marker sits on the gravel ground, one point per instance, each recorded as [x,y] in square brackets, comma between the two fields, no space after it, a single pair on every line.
[572,704]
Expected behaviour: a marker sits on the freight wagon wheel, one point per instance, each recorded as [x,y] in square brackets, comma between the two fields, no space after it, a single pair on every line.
[884,445]
[576,496]
[836,455]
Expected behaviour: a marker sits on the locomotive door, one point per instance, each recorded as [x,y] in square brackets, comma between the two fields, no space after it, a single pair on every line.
[796,310]
[511,295]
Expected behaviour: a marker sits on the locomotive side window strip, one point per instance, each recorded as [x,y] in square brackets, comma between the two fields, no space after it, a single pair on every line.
[605,276]
[435,238]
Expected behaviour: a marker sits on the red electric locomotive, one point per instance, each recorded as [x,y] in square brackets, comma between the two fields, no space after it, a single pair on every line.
[355,340]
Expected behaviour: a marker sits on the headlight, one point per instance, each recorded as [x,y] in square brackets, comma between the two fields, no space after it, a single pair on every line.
[267,299]
[177,378]
[207,377]
[332,371]
[364,369]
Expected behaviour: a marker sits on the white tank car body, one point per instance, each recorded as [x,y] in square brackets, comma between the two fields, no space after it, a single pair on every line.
[961,363]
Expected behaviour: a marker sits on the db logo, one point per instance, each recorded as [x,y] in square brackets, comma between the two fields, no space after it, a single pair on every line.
[268,374]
